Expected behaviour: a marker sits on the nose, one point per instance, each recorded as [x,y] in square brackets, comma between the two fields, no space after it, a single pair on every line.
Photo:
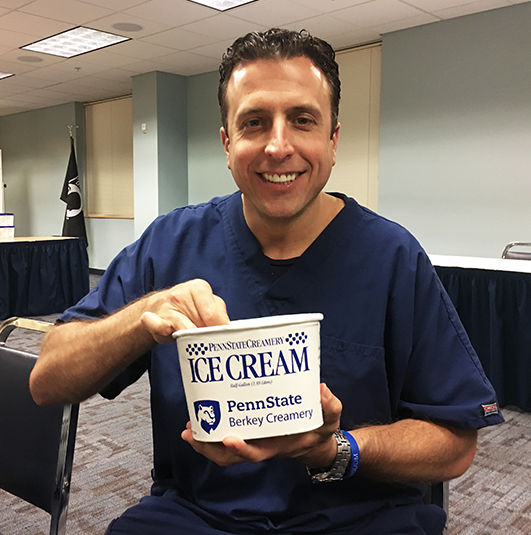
[279,145]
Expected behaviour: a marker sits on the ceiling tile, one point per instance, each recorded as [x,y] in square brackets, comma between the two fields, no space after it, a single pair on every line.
[472,7]
[102,58]
[8,91]
[328,6]
[436,5]
[180,39]
[42,59]
[71,11]
[188,63]
[47,95]
[13,4]
[139,49]
[69,69]
[14,39]
[33,82]
[16,67]
[35,26]
[142,67]
[117,5]
[355,37]
[376,12]
[273,12]
[184,63]
[7,85]
[148,26]
[119,75]
[215,50]
[223,27]
[326,27]
[410,22]
[179,12]
[82,89]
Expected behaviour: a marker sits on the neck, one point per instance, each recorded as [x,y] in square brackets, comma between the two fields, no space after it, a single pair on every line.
[290,237]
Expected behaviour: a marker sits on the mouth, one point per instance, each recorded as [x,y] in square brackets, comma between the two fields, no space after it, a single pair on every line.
[279,178]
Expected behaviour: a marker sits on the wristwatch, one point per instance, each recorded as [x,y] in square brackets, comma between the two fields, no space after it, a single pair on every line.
[339,466]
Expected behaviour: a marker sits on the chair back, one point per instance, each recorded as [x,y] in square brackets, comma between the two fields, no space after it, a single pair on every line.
[517,250]
[438,493]
[37,446]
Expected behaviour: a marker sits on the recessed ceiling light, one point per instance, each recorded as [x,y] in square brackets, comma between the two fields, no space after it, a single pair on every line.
[5,75]
[127,27]
[75,42]
[30,59]
[222,5]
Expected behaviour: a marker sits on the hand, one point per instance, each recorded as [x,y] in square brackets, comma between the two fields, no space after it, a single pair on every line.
[315,448]
[184,306]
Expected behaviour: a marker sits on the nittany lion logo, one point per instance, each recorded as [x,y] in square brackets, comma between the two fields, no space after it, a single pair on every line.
[207,413]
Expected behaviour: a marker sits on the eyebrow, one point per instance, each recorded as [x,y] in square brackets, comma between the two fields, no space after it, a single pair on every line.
[307,108]
[294,109]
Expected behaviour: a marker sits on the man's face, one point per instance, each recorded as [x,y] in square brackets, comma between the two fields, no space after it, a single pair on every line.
[278,143]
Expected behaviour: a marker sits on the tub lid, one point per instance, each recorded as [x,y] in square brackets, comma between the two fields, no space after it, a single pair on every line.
[253,323]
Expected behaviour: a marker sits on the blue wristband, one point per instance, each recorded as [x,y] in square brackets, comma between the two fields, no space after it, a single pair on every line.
[354,455]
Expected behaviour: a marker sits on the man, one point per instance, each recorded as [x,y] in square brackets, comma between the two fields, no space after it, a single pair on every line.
[399,374]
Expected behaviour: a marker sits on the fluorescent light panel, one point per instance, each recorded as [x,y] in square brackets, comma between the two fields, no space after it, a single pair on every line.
[75,42]
[222,5]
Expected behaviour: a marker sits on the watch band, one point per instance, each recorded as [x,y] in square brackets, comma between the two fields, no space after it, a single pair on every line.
[340,464]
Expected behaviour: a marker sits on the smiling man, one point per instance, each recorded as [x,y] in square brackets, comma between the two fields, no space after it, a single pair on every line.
[281,146]
[402,390]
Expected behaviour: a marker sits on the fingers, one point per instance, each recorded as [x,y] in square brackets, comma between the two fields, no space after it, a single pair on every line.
[332,408]
[184,306]
[196,300]
[161,328]
[224,453]
[210,308]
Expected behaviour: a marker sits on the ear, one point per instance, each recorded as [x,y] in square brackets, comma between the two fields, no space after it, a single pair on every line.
[334,139]
[225,141]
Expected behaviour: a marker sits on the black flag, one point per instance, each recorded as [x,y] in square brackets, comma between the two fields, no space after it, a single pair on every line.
[74,223]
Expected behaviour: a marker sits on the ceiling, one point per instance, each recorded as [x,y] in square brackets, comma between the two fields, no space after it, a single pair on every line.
[180,37]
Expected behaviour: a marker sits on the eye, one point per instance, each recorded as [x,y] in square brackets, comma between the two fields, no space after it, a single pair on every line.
[304,121]
[255,122]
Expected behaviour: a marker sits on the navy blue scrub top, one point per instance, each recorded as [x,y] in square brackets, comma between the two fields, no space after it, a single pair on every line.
[392,347]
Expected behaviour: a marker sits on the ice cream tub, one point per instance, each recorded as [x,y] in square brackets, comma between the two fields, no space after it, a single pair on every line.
[252,378]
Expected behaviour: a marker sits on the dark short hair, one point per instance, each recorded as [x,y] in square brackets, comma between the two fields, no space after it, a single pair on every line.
[280,44]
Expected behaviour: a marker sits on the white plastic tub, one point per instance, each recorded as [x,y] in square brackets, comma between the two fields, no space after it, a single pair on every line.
[252,378]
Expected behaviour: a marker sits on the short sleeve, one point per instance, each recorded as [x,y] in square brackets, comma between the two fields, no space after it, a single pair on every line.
[125,280]
[444,380]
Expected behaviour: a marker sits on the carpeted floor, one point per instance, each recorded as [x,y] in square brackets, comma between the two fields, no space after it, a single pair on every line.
[112,465]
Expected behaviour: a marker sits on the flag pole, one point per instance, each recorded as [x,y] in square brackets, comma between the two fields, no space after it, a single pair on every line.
[74,220]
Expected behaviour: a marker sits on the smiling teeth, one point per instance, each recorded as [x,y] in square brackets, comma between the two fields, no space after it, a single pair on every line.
[280,179]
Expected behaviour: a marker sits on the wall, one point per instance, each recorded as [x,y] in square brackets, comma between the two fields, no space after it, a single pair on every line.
[356,170]
[455,132]
[208,175]
[106,238]
[160,149]
[35,151]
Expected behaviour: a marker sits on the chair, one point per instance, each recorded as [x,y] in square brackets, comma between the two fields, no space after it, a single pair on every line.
[439,494]
[508,252]
[37,444]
